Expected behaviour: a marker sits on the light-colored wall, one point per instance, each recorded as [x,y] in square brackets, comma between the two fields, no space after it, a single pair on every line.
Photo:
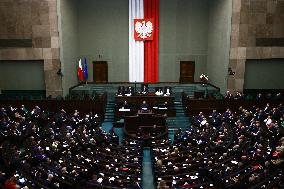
[22,75]
[103,35]
[35,20]
[253,19]
[219,32]
[68,33]
[264,74]
[183,37]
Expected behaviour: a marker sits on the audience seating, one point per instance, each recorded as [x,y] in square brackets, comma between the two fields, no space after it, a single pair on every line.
[237,147]
[228,150]
[60,150]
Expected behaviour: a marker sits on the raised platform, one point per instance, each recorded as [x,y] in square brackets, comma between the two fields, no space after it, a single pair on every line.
[111,88]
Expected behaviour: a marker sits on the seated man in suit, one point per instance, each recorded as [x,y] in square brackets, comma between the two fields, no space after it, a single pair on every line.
[125,105]
[164,105]
[167,91]
[159,92]
[120,91]
[129,91]
[144,89]
[144,106]
[154,131]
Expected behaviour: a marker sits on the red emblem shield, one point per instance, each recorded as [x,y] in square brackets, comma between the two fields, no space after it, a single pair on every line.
[143,29]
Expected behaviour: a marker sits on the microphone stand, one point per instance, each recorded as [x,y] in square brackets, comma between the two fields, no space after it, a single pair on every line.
[135,87]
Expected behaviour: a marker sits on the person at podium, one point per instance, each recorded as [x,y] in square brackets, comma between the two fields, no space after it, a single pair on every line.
[144,106]
[159,92]
[154,131]
[144,89]
[125,105]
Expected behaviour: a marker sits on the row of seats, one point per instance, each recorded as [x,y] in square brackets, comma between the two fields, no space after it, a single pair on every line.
[143,90]
[228,150]
[58,150]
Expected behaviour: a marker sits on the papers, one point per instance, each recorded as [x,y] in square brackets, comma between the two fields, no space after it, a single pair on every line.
[194,177]
[100,180]
[124,110]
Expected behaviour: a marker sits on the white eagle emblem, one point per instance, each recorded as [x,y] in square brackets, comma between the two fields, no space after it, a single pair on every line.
[144,29]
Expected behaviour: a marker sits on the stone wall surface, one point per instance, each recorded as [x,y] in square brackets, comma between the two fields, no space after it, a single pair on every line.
[35,20]
[253,20]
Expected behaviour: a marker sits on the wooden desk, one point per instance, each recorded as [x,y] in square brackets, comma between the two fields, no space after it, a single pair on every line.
[132,123]
[151,100]
[136,101]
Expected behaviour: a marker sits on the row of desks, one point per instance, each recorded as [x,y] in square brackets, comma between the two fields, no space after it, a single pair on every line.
[134,119]
[150,99]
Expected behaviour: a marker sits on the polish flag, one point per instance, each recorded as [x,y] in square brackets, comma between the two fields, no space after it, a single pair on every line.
[80,71]
[143,40]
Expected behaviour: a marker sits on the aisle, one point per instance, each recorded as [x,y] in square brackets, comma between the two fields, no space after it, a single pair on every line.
[147,171]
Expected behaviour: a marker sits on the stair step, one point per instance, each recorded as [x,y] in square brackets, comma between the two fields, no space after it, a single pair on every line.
[112,120]
[109,108]
[110,105]
[109,121]
[177,102]
[179,111]
[109,116]
[109,112]
[110,102]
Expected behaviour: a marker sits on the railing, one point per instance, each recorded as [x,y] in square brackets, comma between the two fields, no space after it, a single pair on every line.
[194,106]
[83,106]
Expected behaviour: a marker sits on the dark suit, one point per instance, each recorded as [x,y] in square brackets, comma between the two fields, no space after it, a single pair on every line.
[130,91]
[164,105]
[144,89]
[167,89]
[144,106]
[121,90]
[125,105]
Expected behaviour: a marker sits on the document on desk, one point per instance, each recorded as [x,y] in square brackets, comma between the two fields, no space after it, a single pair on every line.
[124,110]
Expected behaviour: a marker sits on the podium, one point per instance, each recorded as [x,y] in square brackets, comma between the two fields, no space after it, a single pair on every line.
[144,119]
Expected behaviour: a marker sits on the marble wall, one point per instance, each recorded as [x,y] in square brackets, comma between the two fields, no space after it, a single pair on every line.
[251,20]
[35,20]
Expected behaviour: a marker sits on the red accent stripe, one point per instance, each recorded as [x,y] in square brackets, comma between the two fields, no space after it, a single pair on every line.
[151,48]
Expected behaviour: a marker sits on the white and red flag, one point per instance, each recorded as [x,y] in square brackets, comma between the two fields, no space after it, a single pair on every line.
[143,40]
[80,71]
